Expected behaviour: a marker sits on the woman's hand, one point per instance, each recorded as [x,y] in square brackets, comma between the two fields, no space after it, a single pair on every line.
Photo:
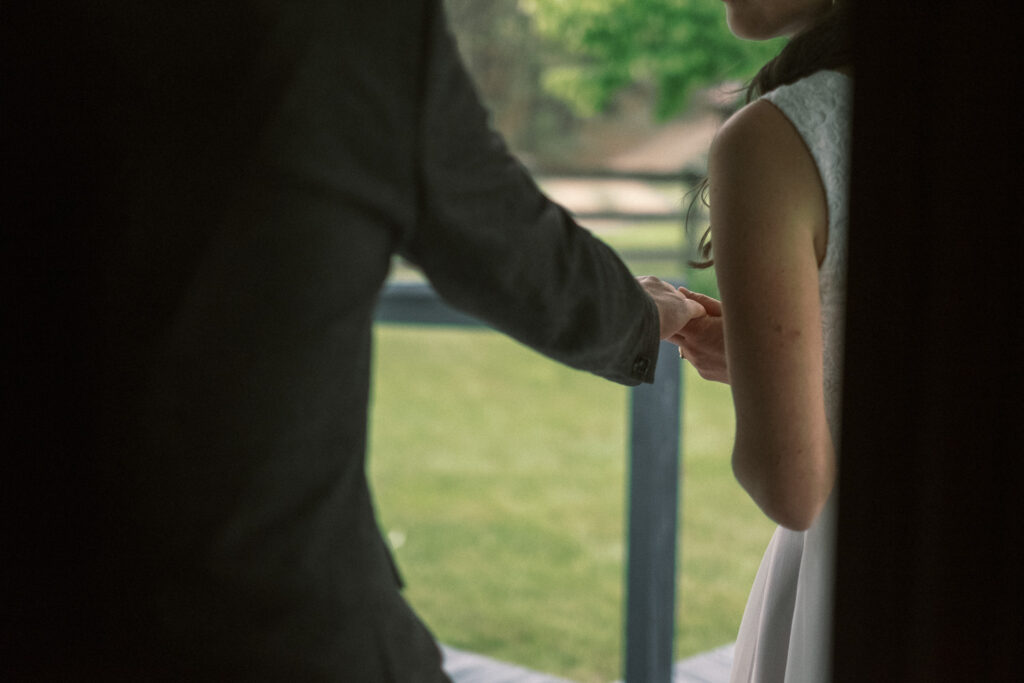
[702,340]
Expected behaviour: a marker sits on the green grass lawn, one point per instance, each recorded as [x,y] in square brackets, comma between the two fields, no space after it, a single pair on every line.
[500,480]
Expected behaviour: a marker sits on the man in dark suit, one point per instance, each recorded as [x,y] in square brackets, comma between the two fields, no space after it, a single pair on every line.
[208,199]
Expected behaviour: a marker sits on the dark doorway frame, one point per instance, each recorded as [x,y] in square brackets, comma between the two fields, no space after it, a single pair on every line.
[927,585]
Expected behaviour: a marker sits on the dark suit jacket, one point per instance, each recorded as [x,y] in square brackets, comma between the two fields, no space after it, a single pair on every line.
[208,199]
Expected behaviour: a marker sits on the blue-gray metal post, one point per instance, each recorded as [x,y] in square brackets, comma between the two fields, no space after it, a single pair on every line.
[653,505]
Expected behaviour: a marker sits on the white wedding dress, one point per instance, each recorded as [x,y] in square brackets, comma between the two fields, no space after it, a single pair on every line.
[785,635]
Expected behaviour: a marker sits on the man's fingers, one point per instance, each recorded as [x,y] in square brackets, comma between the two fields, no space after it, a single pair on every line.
[696,325]
[711,305]
[695,309]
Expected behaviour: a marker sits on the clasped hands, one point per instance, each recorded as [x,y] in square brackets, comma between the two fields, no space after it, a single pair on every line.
[693,322]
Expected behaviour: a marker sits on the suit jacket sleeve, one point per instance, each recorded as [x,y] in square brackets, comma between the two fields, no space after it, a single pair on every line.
[494,246]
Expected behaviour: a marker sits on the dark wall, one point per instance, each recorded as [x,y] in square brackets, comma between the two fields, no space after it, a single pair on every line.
[930,486]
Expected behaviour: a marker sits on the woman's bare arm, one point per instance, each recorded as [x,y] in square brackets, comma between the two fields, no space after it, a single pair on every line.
[769,225]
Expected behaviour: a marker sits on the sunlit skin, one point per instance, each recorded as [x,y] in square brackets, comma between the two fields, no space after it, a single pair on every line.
[765,19]
[769,218]
[769,221]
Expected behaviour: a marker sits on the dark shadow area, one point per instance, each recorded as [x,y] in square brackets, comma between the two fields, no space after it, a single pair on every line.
[928,585]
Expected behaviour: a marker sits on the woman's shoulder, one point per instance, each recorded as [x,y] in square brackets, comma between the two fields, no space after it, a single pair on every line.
[776,128]
[761,168]
[759,133]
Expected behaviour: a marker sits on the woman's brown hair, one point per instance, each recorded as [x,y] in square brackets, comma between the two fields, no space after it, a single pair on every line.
[825,45]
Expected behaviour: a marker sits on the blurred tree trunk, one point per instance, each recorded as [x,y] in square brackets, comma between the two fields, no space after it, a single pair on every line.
[505,57]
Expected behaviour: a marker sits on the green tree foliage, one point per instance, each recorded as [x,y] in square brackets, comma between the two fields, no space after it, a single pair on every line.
[675,46]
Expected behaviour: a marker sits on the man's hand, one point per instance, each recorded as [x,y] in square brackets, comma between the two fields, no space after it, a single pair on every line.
[674,309]
[702,340]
